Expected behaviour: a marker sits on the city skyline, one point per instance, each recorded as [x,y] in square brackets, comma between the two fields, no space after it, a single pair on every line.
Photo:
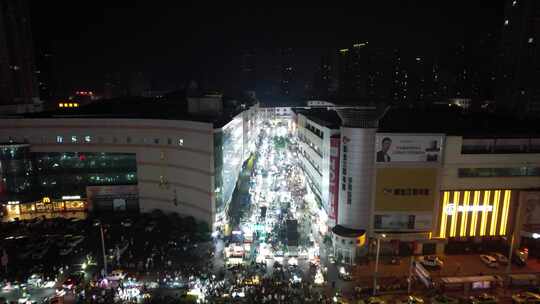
[178,44]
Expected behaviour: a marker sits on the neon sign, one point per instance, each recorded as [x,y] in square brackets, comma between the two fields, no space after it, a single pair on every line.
[451,208]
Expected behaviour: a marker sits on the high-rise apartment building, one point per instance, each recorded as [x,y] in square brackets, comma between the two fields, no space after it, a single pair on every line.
[519,68]
[287,71]
[248,77]
[18,87]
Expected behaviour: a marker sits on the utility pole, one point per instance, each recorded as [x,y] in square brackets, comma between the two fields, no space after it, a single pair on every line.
[377,263]
[509,265]
[409,283]
[103,249]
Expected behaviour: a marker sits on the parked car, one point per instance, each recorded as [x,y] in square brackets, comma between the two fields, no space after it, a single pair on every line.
[483,299]
[126,223]
[489,260]
[501,258]
[26,254]
[150,227]
[65,250]
[431,261]
[344,274]
[410,300]
[71,281]
[395,260]
[526,297]
[443,299]
[76,240]
[40,253]
[372,300]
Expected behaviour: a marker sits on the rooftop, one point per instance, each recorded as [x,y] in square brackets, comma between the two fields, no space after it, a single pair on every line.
[322,116]
[454,122]
[448,121]
[347,232]
[174,108]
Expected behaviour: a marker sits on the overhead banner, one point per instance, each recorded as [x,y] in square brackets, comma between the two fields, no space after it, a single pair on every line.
[334,177]
[408,147]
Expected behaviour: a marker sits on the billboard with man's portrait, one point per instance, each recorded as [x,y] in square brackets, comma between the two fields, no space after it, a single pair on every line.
[391,147]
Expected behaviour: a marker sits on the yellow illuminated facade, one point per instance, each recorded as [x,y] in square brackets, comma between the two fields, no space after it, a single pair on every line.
[474,213]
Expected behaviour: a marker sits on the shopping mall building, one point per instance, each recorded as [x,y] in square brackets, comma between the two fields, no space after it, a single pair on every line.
[421,182]
[141,155]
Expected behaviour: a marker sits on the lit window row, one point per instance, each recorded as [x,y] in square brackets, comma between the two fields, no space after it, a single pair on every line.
[68,105]
[88,139]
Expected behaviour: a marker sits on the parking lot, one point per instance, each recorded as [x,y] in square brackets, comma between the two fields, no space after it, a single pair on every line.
[44,255]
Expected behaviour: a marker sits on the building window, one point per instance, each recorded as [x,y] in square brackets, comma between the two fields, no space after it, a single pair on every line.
[349,194]
[506,22]
[156,141]
[73,139]
[59,139]
[514,3]
[499,172]
[344,148]
[530,40]
[87,139]
[181,142]
[114,140]
[169,141]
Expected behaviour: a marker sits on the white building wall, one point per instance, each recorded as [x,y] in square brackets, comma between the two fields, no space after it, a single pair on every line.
[454,159]
[186,169]
[360,169]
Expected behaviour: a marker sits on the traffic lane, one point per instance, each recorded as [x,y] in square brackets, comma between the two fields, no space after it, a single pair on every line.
[470,264]
[454,265]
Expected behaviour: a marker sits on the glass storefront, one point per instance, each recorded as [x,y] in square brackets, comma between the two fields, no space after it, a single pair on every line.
[228,151]
[71,172]
[39,181]
[17,179]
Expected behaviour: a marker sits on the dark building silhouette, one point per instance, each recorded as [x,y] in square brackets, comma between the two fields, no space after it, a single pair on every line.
[324,80]
[353,72]
[44,75]
[518,88]
[248,75]
[287,71]
[17,67]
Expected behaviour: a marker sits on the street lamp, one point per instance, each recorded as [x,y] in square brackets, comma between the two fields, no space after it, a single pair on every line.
[509,265]
[102,246]
[376,273]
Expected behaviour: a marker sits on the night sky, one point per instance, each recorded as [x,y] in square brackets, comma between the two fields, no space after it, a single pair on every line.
[174,41]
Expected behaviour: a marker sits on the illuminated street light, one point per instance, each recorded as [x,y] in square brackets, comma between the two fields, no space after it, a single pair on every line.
[536,235]
[382,236]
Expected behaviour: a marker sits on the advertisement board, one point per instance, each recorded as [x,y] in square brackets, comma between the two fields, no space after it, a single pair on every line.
[405,189]
[408,147]
[115,198]
[398,221]
[531,201]
[334,177]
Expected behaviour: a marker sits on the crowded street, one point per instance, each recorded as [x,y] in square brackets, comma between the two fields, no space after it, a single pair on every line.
[272,251]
